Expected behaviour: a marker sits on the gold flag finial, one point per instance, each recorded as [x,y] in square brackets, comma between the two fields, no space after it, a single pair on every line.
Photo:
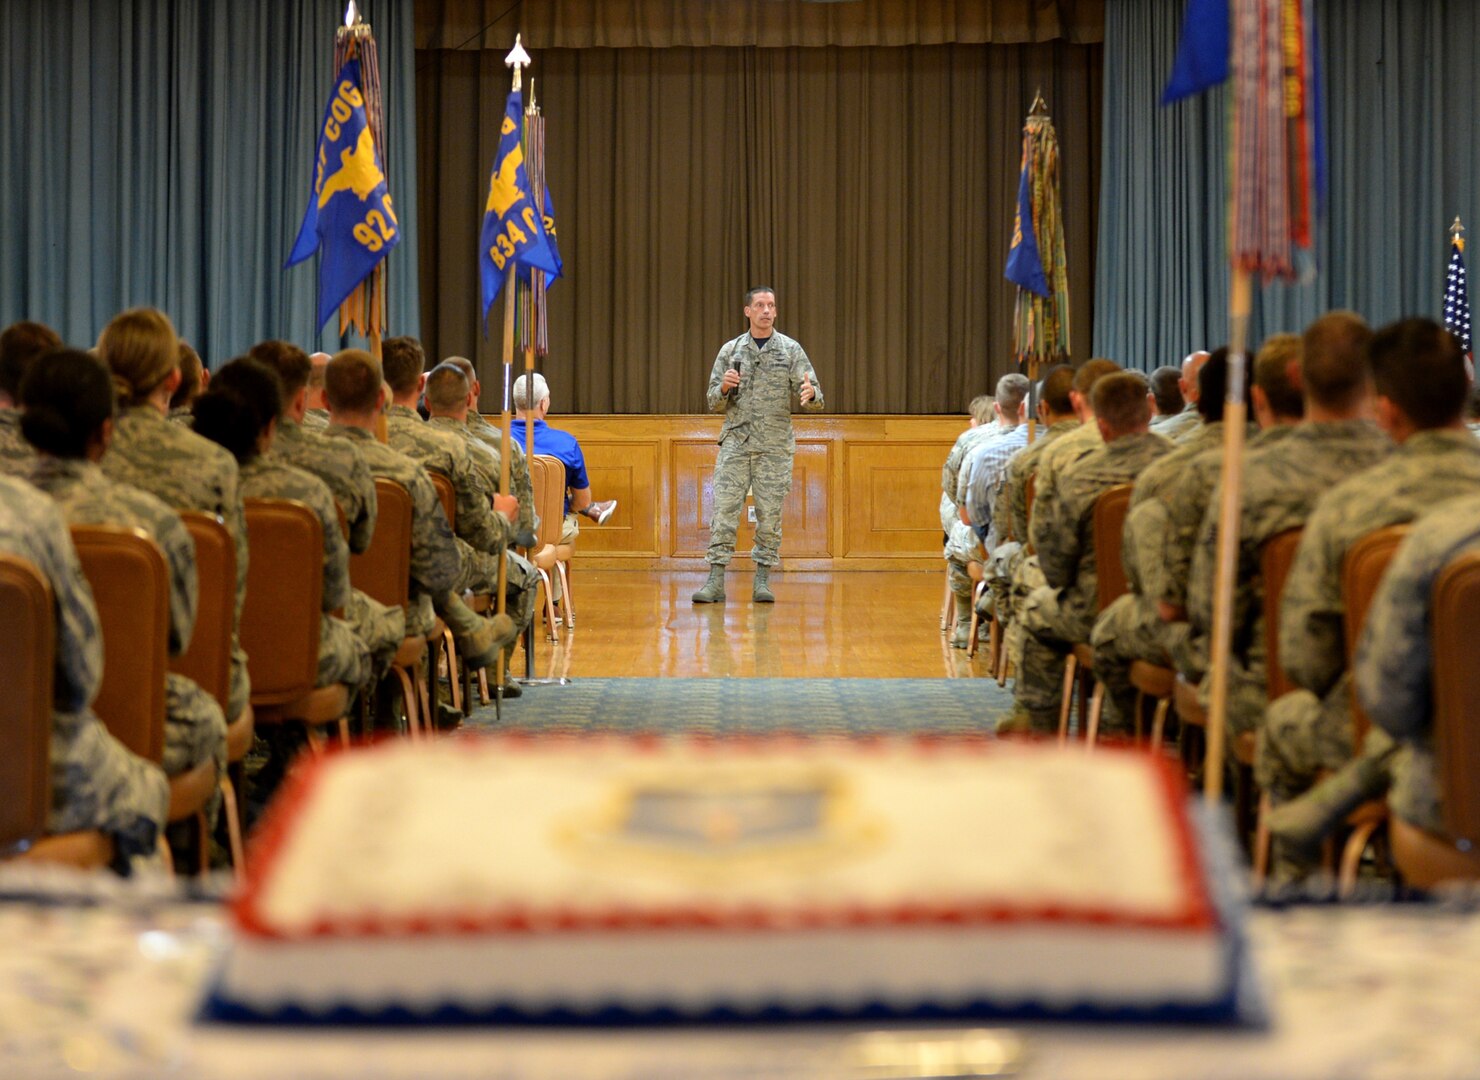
[1456,233]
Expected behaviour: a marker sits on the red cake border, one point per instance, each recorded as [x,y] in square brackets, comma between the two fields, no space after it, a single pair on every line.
[1197,915]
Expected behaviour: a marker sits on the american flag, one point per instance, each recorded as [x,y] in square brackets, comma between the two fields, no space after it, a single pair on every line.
[1457,296]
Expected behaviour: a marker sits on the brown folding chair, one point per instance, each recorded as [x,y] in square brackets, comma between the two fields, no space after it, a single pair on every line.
[383,573]
[547,476]
[207,660]
[27,611]
[1426,858]
[1107,526]
[130,586]
[441,639]
[281,617]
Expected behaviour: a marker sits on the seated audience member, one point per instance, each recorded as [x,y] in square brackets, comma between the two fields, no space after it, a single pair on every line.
[1010,514]
[483,434]
[1422,387]
[1062,611]
[316,407]
[1131,628]
[1281,483]
[982,425]
[966,538]
[357,397]
[96,782]
[1186,421]
[1083,440]
[559,444]
[20,344]
[240,412]
[169,461]
[67,416]
[194,376]
[1166,394]
[1394,662]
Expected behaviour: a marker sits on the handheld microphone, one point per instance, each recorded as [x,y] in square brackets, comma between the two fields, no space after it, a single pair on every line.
[735,367]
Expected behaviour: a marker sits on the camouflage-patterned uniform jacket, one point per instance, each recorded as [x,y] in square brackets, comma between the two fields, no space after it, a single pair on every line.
[1394,660]
[96,783]
[484,528]
[758,412]
[1060,455]
[16,454]
[1281,481]
[316,419]
[435,563]
[491,439]
[342,657]
[1177,423]
[1012,499]
[1063,520]
[341,466]
[1148,517]
[186,472]
[1429,468]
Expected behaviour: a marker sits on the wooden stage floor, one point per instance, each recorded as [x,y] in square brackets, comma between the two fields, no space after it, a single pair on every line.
[851,624]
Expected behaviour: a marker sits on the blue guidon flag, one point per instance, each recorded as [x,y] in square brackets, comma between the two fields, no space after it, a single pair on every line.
[349,219]
[1024,263]
[513,229]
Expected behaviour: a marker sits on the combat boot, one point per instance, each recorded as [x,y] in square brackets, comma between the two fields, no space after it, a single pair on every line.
[480,649]
[713,591]
[961,632]
[760,592]
[1305,821]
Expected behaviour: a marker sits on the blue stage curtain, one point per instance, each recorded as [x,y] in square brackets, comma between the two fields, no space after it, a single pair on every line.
[1400,86]
[158,152]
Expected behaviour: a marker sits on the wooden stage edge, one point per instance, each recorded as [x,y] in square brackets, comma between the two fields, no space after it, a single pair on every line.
[865,491]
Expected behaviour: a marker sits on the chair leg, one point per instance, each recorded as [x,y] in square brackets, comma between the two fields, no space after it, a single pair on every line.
[408,698]
[549,608]
[947,609]
[994,644]
[1261,842]
[1003,663]
[976,620]
[1159,723]
[454,687]
[569,601]
[1096,703]
[1071,667]
[233,827]
[1351,856]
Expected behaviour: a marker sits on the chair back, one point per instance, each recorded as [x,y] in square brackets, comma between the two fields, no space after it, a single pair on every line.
[207,661]
[1275,560]
[285,590]
[1455,627]
[383,570]
[447,495]
[547,476]
[1109,532]
[1361,573]
[28,613]
[130,586]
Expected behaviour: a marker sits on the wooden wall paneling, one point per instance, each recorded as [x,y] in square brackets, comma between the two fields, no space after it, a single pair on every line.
[628,471]
[892,498]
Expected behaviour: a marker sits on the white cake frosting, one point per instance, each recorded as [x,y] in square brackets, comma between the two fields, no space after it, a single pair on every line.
[579,876]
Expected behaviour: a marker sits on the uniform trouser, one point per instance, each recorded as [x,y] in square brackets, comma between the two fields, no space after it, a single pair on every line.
[194,727]
[1248,692]
[343,657]
[1027,577]
[1126,631]
[380,628]
[1050,631]
[1000,565]
[240,693]
[1303,736]
[737,470]
[962,547]
[97,783]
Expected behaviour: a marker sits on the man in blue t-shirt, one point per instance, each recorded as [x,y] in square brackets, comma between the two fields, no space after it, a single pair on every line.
[562,445]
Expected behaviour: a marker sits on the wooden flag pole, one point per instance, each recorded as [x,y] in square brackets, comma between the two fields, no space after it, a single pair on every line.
[1234,419]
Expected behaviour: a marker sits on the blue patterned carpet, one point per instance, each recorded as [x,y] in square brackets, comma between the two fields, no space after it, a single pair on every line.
[752,706]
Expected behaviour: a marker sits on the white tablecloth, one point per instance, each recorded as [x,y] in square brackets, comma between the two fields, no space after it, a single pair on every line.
[110,990]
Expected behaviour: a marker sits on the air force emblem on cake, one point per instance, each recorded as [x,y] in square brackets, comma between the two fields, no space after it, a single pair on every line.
[738,822]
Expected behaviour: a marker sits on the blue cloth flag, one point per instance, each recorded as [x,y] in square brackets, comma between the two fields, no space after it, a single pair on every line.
[550,237]
[1202,54]
[349,219]
[512,226]
[1024,264]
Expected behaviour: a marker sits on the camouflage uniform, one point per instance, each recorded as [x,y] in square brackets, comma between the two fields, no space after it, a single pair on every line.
[195,729]
[1063,610]
[1131,628]
[16,454]
[1310,729]
[341,466]
[1394,661]
[182,414]
[96,783]
[186,472]
[343,657]
[756,443]
[522,579]
[1172,426]
[1281,482]
[316,419]
[482,531]
[1061,454]
[435,563]
[492,440]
